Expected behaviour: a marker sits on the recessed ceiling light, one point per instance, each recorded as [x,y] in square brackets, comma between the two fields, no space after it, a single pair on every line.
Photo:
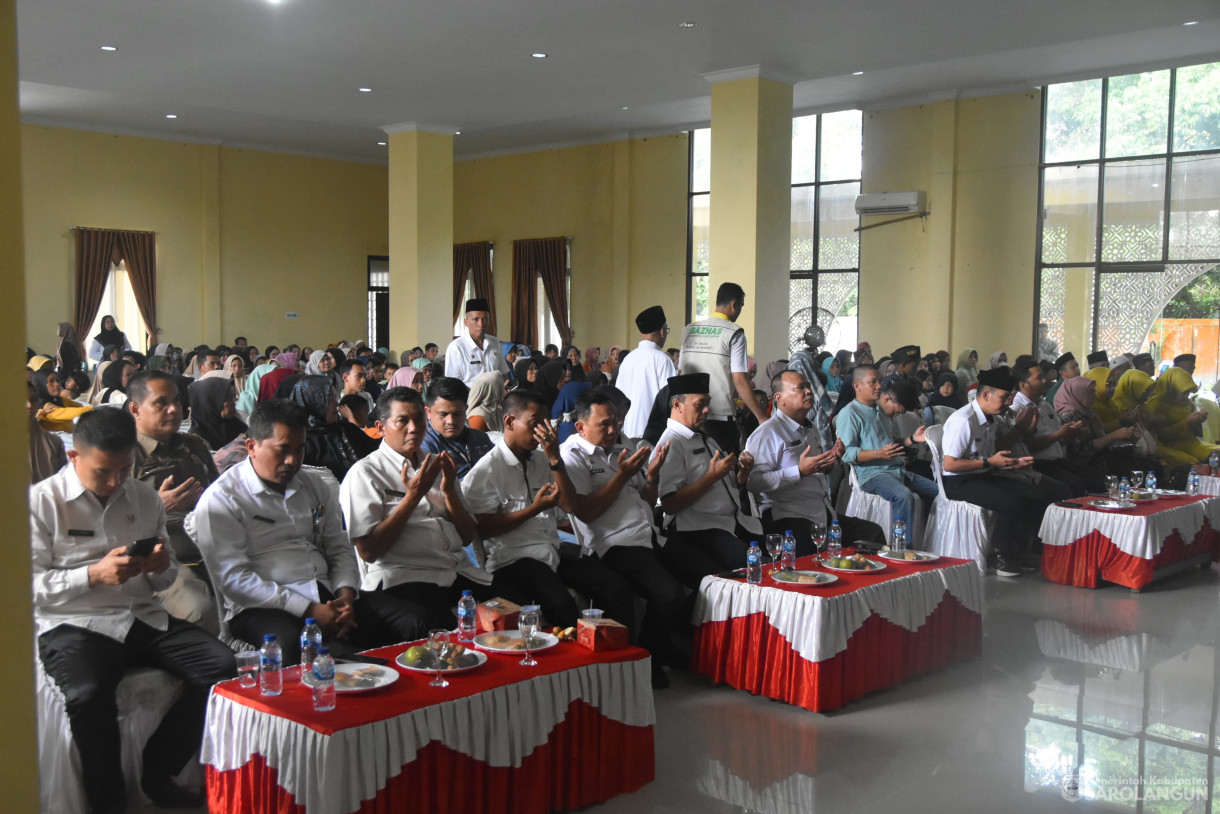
[857,73]
[538,55]
[1156,186]
[109,48]
[171,115]
[624,107]
[381,144]
[457,132]
[365,90]
[686,24]
[1192,22]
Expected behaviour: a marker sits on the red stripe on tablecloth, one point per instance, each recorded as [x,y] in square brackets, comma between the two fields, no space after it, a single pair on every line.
[587,759]
[747,653]
[411,691]
[1094,556]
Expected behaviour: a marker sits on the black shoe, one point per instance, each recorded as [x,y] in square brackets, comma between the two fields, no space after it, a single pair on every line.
[660,681]
[165,793]
[1003,568]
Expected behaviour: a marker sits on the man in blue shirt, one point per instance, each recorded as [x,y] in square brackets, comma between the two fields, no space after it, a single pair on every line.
[447,430]
[869,446]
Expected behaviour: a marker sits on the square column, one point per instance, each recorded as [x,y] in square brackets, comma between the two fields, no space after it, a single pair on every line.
[421,234]
[751,202]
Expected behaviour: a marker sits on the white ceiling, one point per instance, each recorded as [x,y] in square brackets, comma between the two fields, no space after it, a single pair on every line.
[284,75]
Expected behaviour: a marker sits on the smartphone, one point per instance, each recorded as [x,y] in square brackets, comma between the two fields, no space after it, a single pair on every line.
[142,548]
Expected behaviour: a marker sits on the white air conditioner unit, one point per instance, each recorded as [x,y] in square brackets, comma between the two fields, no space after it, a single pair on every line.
[891,203]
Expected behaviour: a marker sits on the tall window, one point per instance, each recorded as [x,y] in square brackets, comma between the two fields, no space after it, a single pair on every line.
[548,331]
[1129,242]
[379,301]
[825,247]
[119,301]
[698,298]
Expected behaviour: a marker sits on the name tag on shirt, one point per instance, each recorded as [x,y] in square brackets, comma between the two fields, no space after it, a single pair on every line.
[394,493]
[596,471]
[699,451]
[80,533]
[262,519]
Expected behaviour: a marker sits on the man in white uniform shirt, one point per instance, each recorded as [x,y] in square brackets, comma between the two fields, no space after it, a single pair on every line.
[979,469]
[1046,443]
[406,518]
[699,484]
[645,370]
[97,615]
[274,543]
[476,352]
[512,492]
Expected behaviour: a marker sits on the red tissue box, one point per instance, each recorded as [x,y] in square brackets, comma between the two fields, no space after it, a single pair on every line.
[497,614]
[601,634]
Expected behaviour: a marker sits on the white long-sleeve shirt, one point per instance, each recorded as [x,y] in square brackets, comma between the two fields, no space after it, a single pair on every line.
[642,375]
[70,530]
[777,446]
[265,549]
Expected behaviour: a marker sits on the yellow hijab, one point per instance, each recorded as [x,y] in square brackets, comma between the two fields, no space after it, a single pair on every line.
[1102,404]
[1131,386]
[1172,383]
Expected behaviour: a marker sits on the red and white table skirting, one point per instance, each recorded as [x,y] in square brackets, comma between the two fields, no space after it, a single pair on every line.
[821,647]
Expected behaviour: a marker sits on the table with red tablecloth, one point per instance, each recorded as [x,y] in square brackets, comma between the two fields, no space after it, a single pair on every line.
[821,646]
[1083,545]
[573,731]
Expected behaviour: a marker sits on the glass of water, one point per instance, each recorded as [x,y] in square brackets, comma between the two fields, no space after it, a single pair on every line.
[818,532]
[775,545]
[1112,486]
[1137,479]
[247,668]
[527,622]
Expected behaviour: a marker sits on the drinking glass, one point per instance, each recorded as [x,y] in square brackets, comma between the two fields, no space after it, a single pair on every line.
[438,642]
[775,545]
[247,668]
[527,623]
[818,532]
[1137,479]
[1112,486]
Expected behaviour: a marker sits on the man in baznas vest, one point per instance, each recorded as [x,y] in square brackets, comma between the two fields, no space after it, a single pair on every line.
[717,346]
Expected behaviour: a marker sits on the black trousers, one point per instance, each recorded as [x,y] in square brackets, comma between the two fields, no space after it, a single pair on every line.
[88,666]
[1019,503]
[436,605]
[727,549]
[853,529]
[381,619]
[666,616]
[532,582]
[725,433]
[1077,477]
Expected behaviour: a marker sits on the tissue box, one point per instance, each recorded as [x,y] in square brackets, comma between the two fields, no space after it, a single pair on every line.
[601,634]
[497,614]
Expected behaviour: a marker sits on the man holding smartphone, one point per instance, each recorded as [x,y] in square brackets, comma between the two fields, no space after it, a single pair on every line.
[97,615]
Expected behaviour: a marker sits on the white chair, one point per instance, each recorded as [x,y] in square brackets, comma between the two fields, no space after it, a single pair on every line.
[877,509]
[956,528]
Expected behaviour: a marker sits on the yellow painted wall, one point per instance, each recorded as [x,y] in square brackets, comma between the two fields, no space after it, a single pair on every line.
[965,273]
[243,236]
[18,749]
[622,203]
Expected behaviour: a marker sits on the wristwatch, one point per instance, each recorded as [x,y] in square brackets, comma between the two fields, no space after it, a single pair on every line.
[558,466]
[986,464]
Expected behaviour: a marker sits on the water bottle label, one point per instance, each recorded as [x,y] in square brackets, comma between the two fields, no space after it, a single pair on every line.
[754,555]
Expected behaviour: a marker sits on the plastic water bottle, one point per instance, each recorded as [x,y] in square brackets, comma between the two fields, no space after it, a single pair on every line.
[323,670]
[754,564]
[1150,481]
[311,640]
[899,543]
[787,554]
[1124,491]
[1213,461]
[466,617]
[270,667]
[1192,482]
[834,546]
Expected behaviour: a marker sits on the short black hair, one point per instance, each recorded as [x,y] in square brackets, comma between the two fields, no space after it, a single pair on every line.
[901,390]
[267,414]
[377,358]
[240,339]
[405,395]
[729,293]
[138,389]
[1022,372]
[223,350]
[1047,367]
[1024,360]
[550,348]
[81,378]
[430,346]
[354,400]
[858,372]
[518,401]
[138,359]
[106,430]
[586,402]
[449,389]
[348,364]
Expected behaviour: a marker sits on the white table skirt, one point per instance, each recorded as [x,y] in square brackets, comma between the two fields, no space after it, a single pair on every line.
[1139,536]
[1125,652]
[818,627]
[1209,485]
[500,726]
[795,794]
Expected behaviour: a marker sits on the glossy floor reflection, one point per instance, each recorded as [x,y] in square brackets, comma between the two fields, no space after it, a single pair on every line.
[1110,694]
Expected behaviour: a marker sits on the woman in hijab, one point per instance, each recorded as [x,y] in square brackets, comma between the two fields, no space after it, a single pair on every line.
[564,407]
[1131,392]
[830,367]
[551,378]
[47,455]
[484,404]
[235,366]
[422,363]
[114,382]
[967,370]
[320,363]
[408,376]
[998,360]
[593,359]
[610,365]
[94,396]
[272,380]
[1103,404]
[525,373]
[329,441]
[248,400]
[572,354]
[1175,422]
[54,412]
[1076,401]
[70,352]
[108,336]
[214,411]
[944,395]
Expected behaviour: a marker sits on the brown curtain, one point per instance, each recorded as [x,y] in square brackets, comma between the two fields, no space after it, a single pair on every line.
[525,295]
[96,250]
[551,259]
[474,259]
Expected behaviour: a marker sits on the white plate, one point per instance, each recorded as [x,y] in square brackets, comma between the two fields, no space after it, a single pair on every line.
[800,577]
[922,557]
[1107,505]
[874,567]
[1171,493]
[515,645]
[482,659]
[383,676]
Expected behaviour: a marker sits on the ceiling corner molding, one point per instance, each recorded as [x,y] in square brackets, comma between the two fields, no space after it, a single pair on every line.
[420,127]
[751,72]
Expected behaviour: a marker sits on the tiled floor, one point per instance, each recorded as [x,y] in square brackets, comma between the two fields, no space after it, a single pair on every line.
[1105,684]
